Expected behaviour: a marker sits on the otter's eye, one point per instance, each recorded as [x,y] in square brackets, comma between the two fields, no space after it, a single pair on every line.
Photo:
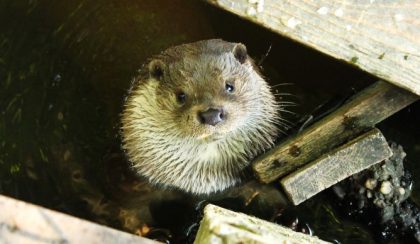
[181,97]
[229,87]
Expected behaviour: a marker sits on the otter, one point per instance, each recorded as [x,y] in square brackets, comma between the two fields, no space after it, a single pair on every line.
[196,115]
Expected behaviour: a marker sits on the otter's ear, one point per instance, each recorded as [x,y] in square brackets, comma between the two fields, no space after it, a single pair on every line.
[240,53]
[156,68]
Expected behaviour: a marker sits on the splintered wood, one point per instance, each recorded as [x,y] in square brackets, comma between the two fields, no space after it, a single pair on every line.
[22,222]
[380,37]
[224,226]
[349,159]
[362,112]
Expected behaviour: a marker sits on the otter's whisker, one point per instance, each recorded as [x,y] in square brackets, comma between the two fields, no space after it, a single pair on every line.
[197,114]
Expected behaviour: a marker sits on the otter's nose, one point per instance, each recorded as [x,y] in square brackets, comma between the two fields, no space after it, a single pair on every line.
[212,116]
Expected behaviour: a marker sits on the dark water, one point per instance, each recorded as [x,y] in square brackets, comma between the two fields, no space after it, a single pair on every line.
[64,69]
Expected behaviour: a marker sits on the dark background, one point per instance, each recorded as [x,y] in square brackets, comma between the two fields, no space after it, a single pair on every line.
[65,67]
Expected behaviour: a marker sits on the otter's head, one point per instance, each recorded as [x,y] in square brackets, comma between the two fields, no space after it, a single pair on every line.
[196,115]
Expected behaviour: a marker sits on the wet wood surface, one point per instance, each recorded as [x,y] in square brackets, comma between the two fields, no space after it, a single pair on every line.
[22,222]
[362,112]
[380,37]
[220,225]
[333,167]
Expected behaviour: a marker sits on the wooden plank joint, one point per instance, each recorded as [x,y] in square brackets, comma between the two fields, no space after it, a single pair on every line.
[351,158]
[362,112]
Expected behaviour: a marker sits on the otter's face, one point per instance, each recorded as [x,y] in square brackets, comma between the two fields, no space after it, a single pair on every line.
[197,115]
[209,96]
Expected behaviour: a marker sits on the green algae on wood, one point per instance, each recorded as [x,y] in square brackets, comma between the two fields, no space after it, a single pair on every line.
[220,225]
[332,167]
[362,112]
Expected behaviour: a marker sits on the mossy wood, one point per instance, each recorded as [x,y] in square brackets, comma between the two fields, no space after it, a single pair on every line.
[224,226]
[363,111]
[380,37]
[22,222]
[332,167]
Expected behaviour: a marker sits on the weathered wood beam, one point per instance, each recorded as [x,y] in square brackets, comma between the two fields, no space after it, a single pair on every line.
[363,111]
[351,158]
[380,37]
[224,226]
[22,222]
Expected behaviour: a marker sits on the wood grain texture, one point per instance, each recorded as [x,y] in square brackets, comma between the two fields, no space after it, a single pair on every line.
[333,167]
[220,225]
[22,222]
[380,37]
[363,111]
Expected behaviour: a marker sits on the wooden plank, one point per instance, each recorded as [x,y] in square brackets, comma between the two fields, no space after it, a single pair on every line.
[22,222]
[351,158]
[369,107]
[380,37]
[224,226]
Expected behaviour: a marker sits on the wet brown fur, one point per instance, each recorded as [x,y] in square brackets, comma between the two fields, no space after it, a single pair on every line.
[165,141]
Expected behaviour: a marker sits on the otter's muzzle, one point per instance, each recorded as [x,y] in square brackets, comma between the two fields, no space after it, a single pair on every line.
[211,116]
